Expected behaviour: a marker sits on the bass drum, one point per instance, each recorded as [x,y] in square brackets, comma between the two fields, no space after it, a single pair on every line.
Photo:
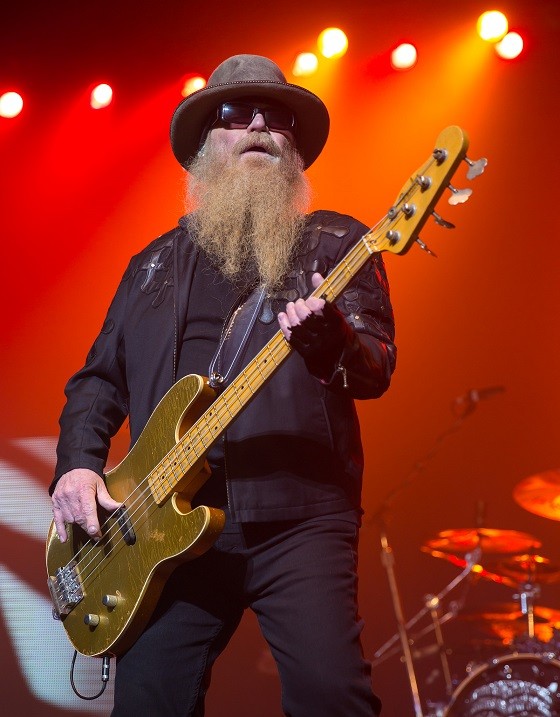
[519,685]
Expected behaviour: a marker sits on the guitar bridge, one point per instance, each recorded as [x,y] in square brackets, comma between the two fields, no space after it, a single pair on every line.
[65,588]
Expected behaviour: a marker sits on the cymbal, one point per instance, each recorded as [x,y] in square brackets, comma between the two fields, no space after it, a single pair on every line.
[510,612]
[507,632]
[540,494]
[530,569]
[506,621]
[489,540]
[476,568]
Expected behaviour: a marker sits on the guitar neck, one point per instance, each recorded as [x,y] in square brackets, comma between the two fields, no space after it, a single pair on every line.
[227,406]
[395,233]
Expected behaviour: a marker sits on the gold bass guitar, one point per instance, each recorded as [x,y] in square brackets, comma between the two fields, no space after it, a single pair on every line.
[104,592]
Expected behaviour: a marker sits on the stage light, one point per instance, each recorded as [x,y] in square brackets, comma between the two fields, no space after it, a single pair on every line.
[11,104]
[332,42]
[492,25]
[101,96]
[192,84]
[306,64]
[404,56]
[510,46]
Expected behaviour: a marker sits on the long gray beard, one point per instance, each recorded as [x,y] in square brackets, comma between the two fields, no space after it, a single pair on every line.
[248,216]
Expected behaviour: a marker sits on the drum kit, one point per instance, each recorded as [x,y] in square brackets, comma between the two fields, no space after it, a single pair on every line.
[525,681]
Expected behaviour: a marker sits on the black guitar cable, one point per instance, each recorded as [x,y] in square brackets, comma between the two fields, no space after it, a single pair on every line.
[104,677]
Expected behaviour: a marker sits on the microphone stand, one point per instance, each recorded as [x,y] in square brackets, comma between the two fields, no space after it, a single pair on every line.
[388,558]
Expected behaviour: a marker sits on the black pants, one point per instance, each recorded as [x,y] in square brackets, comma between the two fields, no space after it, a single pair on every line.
[300,580]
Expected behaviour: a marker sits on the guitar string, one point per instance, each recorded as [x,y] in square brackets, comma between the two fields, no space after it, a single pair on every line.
[141,488]
[207,429]
[204,430]
[332,282]
[204,434]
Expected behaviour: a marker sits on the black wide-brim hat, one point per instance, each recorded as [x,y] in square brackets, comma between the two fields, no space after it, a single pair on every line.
[249,76]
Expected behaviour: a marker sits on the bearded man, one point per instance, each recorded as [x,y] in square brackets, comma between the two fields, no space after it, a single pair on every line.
[204,298]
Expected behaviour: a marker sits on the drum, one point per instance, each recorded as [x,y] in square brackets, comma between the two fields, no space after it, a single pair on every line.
[520,685]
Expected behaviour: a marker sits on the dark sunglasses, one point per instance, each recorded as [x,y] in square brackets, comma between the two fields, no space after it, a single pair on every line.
[241,114]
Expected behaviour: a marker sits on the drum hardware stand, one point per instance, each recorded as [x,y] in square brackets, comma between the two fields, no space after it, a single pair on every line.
[388,559]
[432,606]
[390,648]
[526,596]
[433,603]
[455,607]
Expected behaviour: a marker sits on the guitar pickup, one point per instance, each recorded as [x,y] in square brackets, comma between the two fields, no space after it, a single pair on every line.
[65,588]
[125,525]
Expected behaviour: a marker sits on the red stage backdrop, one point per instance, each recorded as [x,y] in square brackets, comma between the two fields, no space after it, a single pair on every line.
[81,191]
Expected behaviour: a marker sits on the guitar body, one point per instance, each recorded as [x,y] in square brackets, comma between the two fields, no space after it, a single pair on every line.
[128,567]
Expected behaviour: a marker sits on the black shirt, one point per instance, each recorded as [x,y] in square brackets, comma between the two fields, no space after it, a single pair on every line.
[211,300]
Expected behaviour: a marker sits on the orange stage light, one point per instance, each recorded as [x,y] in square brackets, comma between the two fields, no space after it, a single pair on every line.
[510,47]
[101,96]
[11,104]
[332,43]
[492,26]
[404,56]
[191,84]
[306,64]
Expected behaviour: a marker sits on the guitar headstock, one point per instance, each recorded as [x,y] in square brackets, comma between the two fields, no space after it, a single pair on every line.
[400,228]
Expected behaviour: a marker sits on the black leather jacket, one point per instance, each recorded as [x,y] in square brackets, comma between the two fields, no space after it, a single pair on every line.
[295,451]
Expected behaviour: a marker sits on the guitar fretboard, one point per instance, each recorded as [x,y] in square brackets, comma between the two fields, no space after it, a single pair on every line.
[215,420]
[395,233]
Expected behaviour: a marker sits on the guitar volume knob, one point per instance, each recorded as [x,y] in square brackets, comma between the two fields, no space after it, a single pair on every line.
[110,600]
[91,619]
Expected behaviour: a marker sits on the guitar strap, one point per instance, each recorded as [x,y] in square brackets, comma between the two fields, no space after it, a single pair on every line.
[233,342]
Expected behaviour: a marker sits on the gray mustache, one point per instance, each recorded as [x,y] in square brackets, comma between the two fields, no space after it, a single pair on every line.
[261,141]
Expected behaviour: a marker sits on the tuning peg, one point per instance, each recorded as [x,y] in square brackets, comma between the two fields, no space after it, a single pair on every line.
[442,222]
[425,247]
[424,182]
[440,155]
[458,196]
[476,168]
